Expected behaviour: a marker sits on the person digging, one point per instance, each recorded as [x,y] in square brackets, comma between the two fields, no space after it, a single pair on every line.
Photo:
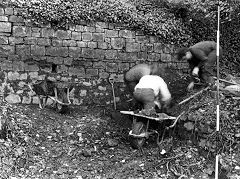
[202,61]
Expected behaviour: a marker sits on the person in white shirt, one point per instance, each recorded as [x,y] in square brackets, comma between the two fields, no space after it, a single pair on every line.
[152,91]
[132,76]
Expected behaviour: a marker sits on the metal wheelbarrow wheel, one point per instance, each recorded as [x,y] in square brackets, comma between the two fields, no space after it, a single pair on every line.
[136,140]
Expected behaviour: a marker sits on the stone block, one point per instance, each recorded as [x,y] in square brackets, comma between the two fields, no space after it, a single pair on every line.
[43,41]
[57,42]
[132,47]
[90,29]
[23,50]
[91,73]
[117,43]
[126,34]
[158,47]
[35,100]
[111,54]
[103,75]
[6,50]
[111,33]
[81,44]
[132,57]
[3,40]
[47,32]
[168,49]
[111,67]
[30,41]
[89,53]
[33,68]
[55,60]
[75,52]
[69,43]
[142,56]
[154,57]
[3,18]
[122,56]
[57,51]
[123,67]
[99,64]
[79,72]
[98,37]
[9,11]
[5,27]
[36,34]
[100,30]
[146,47]
[26,100]
[79,28]
[67,61]
[102,25]
[37,50]
[13,99]
[21,31]
[62,69]
[62,34]
[166,57]
[12,76]
[33,75]
[14,18]
[86,36]
[38,30]
[6,65]
[142,39]
[18,66]
[23,76]
[100,54]
[102,45]
[16,40]
[14,58]
[92,44]
[76,35]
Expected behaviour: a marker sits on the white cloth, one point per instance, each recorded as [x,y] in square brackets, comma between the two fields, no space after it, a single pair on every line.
[157,84]
[195,71]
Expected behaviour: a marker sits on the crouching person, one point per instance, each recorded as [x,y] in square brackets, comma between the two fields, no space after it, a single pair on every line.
[202,59]
[133,76]
[152,92]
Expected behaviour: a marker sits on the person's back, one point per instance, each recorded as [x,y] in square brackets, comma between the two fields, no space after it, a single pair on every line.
[156,83]
[148,91]
[206,46]
[137,72]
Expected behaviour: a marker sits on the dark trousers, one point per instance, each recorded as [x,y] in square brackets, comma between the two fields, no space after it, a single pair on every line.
[145,96]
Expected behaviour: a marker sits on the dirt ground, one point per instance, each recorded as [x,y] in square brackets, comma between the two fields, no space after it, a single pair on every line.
[94,143]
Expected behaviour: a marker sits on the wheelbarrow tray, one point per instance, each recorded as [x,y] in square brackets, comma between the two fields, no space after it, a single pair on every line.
[161,116]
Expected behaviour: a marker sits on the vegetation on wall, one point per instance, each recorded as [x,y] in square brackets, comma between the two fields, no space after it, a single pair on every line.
[138,16]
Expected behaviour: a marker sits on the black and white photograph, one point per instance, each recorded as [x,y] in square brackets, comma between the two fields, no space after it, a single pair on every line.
[119,89]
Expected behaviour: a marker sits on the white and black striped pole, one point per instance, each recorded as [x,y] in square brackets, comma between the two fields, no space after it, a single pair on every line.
[218,114]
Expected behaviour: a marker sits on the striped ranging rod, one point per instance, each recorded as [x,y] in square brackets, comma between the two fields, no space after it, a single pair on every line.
[218,116]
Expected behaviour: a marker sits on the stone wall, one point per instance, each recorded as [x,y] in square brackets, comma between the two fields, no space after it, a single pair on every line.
[85,55]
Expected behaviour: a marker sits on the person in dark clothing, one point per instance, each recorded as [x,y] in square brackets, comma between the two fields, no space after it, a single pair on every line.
[202,59]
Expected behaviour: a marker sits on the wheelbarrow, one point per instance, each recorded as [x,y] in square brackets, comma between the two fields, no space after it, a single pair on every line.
[58,91]
[140,126]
